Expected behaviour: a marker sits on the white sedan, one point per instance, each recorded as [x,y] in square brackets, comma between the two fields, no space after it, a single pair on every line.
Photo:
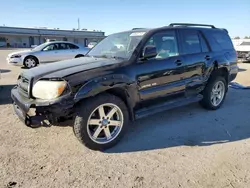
[46,53]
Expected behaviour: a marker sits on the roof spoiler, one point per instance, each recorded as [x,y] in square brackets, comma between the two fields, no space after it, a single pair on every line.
[225,30]
[189,24]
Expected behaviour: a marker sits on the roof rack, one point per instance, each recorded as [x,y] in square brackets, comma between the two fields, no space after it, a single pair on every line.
[189,24]
[137,28]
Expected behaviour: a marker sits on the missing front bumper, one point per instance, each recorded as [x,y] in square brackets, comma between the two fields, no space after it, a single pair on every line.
[31,121]
[43,115]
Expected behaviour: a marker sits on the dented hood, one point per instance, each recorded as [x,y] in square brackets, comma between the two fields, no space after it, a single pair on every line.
[66,68]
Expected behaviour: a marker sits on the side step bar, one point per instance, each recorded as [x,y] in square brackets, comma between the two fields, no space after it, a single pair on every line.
[166,106]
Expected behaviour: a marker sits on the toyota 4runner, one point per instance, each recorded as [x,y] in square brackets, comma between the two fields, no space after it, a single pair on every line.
[152,70]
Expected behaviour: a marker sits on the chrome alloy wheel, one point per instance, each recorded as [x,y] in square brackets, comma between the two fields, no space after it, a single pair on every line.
[29,63]
[105,123]
[217,93]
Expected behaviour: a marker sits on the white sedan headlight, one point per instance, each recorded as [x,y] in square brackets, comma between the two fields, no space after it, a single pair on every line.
[16,56]
[48,89]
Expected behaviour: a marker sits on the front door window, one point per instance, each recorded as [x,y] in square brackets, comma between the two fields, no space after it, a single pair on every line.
[165,43]
[51,47]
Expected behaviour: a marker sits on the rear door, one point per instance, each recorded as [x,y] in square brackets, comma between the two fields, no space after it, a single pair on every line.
[65,51]
[196,54]
[161,76]
[50,53]
[73,50]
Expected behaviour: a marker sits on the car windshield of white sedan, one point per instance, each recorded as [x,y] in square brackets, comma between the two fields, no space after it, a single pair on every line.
[40,47]
[120,45]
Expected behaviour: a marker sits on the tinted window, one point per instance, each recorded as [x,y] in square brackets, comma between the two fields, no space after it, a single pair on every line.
[219,40]
[190,42]
[204,46]
[223,40]
[165,43]
[63,46]
[72,46]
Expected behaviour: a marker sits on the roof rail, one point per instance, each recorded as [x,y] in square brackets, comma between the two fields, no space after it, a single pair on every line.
[189,24]
[137,28]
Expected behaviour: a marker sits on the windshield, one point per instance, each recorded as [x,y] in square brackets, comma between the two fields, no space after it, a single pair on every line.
[40,47]
[119,45]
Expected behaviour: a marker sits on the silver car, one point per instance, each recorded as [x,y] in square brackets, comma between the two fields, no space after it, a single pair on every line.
[46,53]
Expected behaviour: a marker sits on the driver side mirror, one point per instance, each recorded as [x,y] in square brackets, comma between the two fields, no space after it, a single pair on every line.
[149,52]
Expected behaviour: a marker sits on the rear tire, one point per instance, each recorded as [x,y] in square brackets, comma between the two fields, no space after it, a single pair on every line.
[95,127]
[213,98]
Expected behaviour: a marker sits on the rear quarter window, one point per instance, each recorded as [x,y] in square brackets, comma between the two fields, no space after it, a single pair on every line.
[72,46]
[219,40]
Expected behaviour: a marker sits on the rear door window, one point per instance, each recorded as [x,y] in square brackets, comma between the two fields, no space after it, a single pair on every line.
[63,46]
[204,45]
[190,42]
[51,47]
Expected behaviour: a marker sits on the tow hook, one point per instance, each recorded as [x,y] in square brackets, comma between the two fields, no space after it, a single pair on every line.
[37,121]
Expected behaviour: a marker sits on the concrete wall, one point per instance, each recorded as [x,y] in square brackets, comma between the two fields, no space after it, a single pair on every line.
[41,31]
[19,41]
[25,37]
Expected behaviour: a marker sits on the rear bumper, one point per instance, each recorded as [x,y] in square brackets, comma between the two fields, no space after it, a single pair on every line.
[233,72]
[45,112]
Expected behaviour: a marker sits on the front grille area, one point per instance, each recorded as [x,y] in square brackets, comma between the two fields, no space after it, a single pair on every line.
[23,86]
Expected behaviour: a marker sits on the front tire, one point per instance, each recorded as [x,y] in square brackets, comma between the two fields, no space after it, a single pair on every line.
[101,121]
[214,93]
[30,62]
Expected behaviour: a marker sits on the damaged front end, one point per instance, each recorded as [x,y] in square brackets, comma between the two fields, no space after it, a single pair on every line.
[40,112]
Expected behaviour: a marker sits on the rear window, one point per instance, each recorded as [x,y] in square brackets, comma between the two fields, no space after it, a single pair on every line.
[72,46]
[219,40]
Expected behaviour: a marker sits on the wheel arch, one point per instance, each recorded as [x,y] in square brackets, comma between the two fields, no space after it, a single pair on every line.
[222,70]
[28,56]
[92,89]
[79,55]
[123,94]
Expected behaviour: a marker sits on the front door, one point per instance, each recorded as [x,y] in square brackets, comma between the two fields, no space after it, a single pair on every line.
[161,76]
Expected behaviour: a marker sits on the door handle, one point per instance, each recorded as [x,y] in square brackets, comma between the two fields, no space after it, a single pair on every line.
[178,62]
[207,57]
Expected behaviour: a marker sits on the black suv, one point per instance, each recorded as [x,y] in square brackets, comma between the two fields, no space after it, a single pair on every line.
[127,76]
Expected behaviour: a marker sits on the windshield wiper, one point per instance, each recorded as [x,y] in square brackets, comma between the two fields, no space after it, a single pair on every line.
[108,57]
[117,57]
[99,56]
